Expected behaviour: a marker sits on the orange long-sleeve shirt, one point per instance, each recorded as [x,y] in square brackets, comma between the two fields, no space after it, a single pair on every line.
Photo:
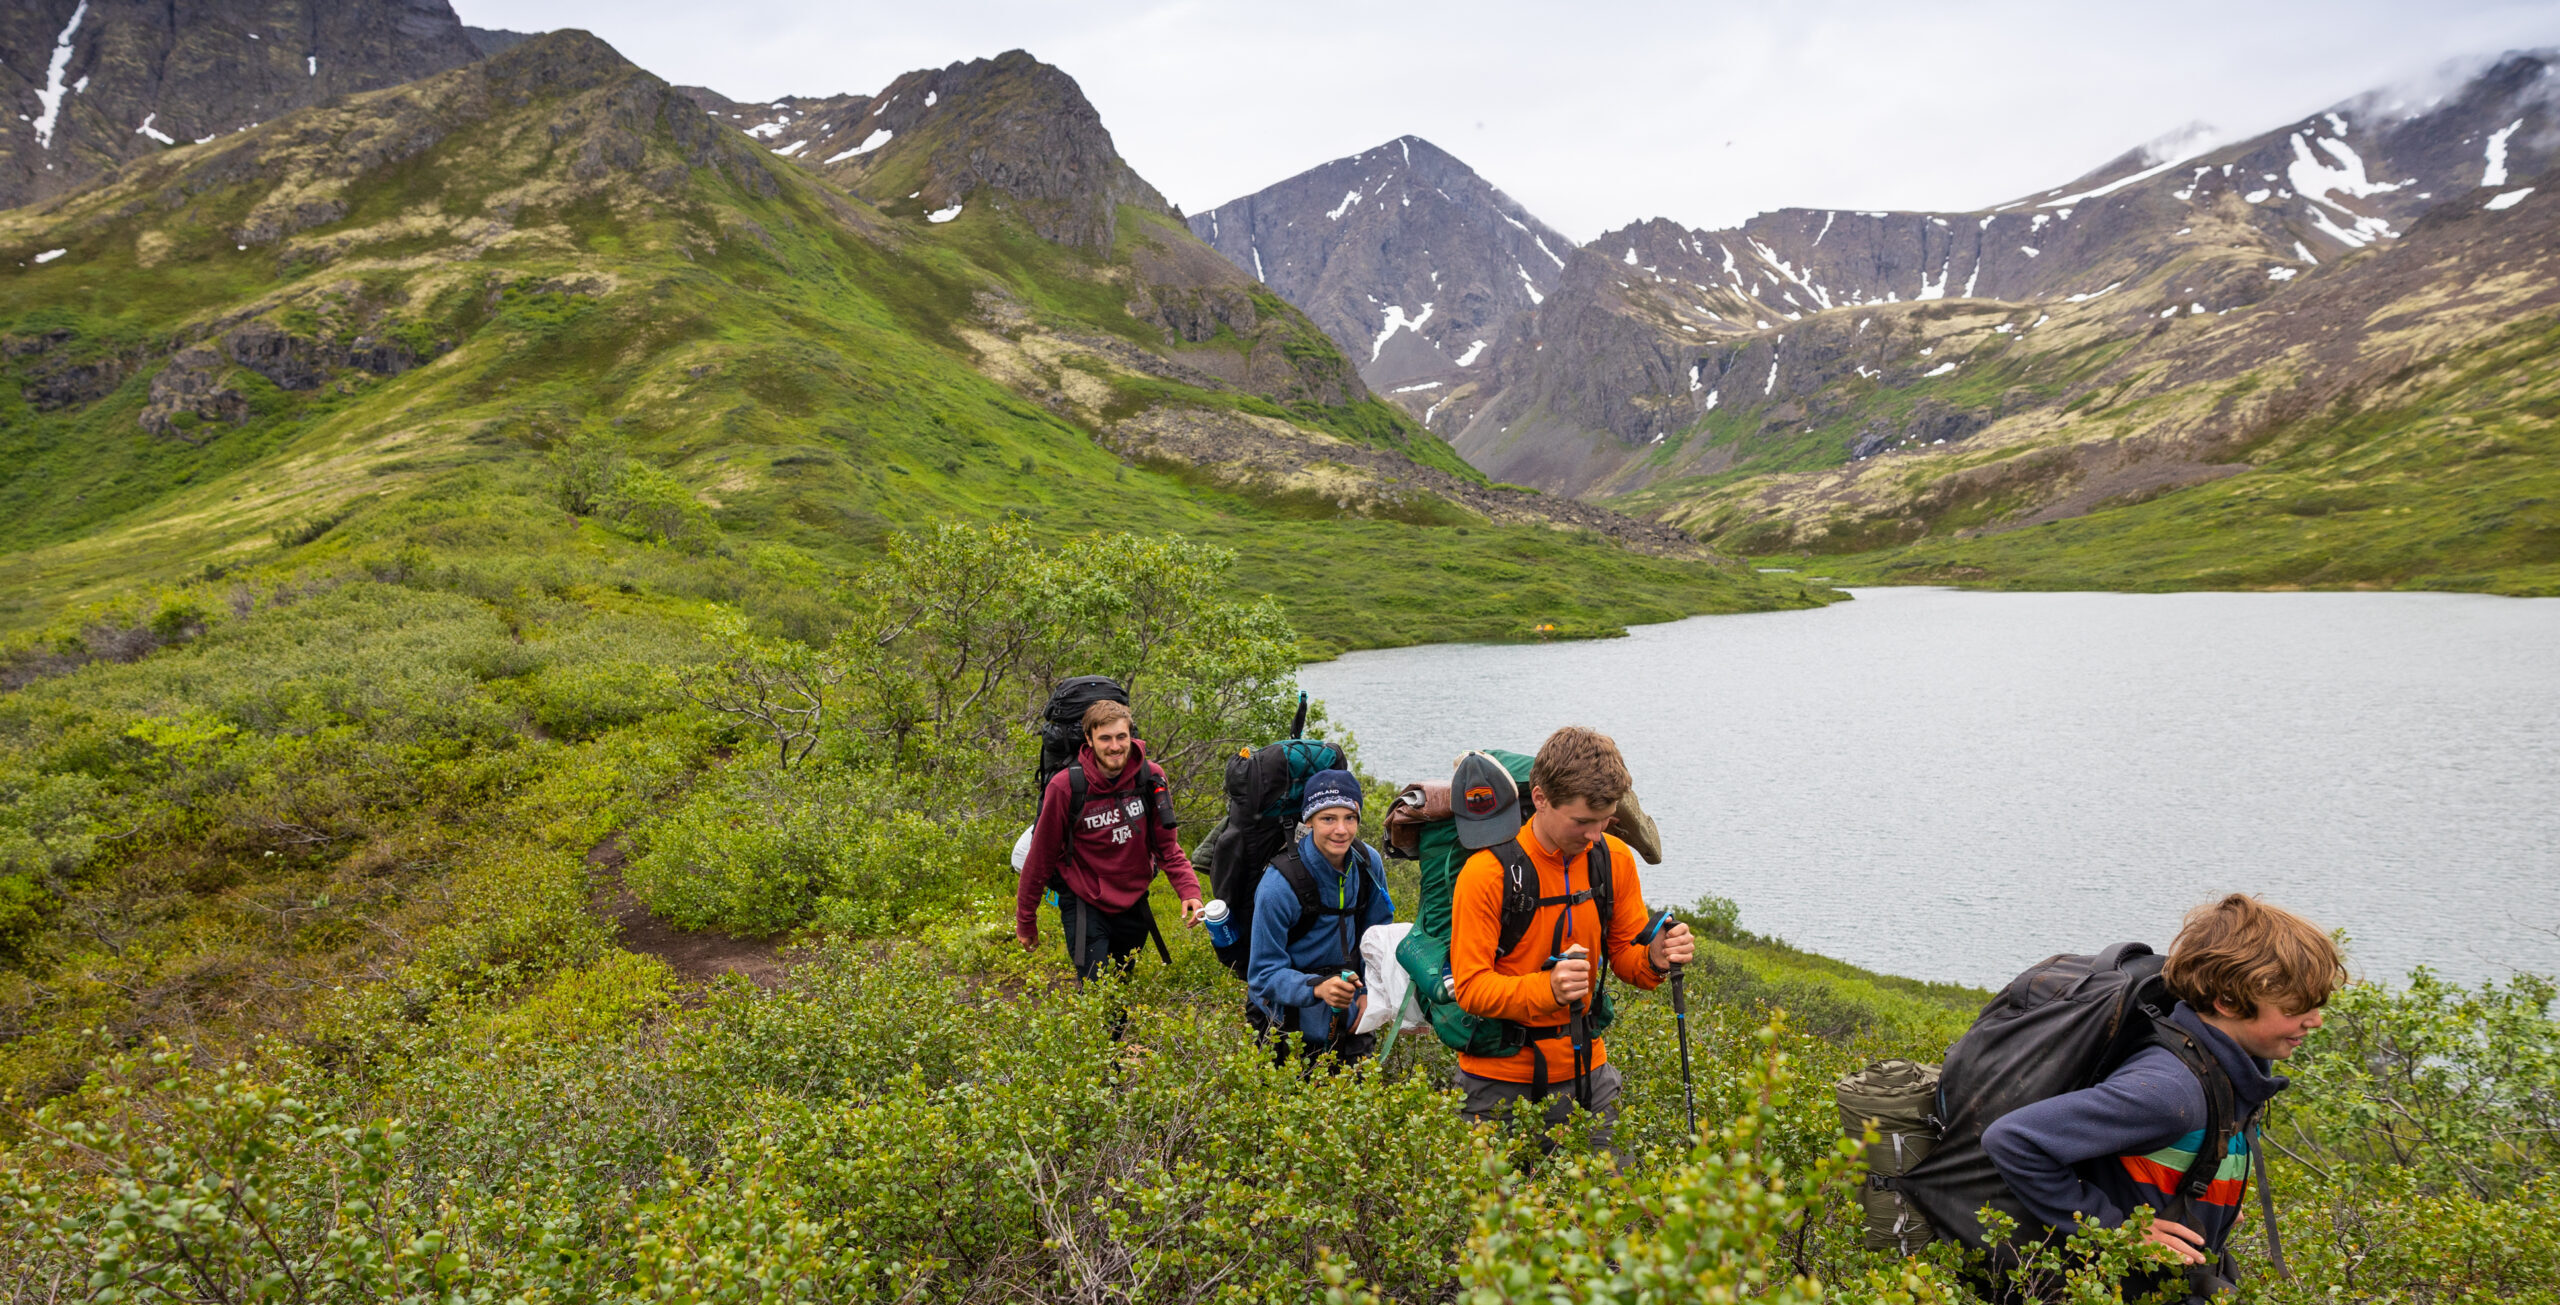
[1515,987]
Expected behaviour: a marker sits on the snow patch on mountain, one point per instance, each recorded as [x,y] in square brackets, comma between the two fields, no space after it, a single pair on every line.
[2110,188]
[2315,180]
[869,143]
[2495,174]
[51,96]
[1397,321]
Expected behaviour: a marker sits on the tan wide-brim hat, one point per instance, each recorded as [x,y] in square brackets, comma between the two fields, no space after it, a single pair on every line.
[1636,829]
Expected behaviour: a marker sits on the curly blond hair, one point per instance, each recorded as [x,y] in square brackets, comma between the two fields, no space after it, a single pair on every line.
[2238,951]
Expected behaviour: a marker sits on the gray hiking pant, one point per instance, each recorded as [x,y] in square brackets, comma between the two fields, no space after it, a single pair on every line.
[1491,1098]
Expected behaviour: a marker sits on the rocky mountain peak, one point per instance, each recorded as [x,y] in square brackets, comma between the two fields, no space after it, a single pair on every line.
[96,83]
[1418,267]
[932,139]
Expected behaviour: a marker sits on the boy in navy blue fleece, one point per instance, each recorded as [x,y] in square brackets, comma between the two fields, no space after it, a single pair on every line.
[1294,973]
[2252,979]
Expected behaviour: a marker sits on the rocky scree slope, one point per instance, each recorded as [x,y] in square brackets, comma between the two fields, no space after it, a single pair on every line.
[93,84]
[444,301]
[1809,339]
[1419,268]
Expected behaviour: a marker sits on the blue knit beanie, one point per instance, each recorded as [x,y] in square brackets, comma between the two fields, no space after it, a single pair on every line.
[1330,788]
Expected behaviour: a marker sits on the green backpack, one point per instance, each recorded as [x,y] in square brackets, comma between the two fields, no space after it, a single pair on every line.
[1424,953]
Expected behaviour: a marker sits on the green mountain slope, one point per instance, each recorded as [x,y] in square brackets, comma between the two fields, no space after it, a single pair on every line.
[411,317]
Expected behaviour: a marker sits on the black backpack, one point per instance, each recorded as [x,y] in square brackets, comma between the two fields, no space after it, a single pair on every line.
[2062,1026]
[1265,786]
[1062,723]
[1062,740]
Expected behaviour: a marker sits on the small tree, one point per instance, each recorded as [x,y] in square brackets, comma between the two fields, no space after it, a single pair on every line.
[779,686]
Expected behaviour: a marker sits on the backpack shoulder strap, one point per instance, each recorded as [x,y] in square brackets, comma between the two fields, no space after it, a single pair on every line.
[1604,889]
[1519,893]
[1076,786]
[1293,872]
[1366,885]
[2221,1107]
[1152,791]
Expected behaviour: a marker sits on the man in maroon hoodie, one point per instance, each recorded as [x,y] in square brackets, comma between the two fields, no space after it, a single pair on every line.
[1101,856]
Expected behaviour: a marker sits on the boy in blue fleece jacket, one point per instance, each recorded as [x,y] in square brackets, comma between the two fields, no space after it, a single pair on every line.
[2252,979]
[1297,982]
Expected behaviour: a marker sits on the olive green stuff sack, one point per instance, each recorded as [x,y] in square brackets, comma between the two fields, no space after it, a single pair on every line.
[1900,1098]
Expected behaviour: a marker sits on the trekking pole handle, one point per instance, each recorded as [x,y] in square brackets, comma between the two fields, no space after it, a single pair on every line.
[1654,930]
[1661,920]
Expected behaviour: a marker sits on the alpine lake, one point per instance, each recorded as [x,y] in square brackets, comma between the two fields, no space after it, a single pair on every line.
[1952,785]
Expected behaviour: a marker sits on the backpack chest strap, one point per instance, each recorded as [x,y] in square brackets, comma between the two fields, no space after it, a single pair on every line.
[1521,901]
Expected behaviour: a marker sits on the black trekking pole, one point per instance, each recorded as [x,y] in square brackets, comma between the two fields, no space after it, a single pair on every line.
[1575,1035]
[1680,1020]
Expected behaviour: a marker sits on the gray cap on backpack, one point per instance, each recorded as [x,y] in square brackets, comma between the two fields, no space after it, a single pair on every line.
[1485,802]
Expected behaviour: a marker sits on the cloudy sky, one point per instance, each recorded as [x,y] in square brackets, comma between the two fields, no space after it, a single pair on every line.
[1598,114]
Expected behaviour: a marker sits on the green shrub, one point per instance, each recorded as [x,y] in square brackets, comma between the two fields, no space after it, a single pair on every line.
[747,853]
[655,505]
[758,849]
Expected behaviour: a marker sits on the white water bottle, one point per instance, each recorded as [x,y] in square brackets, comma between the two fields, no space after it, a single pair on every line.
[1222,925]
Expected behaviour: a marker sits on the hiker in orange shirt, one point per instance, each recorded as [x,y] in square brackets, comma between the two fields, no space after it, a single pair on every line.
[1589,905]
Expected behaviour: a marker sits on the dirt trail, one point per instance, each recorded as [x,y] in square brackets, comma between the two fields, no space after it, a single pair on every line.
[697,958]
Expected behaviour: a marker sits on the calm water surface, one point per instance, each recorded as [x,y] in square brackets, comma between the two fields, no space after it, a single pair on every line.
[1953,785]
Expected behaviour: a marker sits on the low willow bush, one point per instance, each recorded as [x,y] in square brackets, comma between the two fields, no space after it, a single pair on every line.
[948,1120]
[886,1130]
[756,849]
